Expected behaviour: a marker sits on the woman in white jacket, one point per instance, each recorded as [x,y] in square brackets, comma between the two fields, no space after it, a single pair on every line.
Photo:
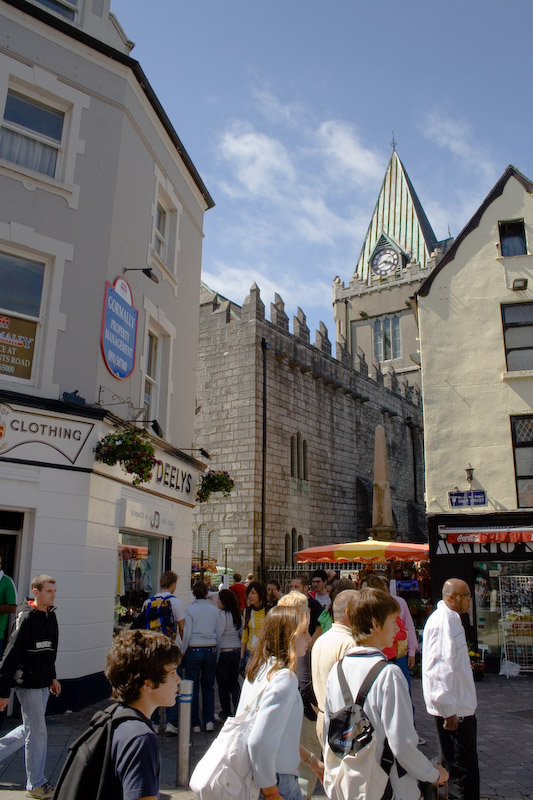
[372,616]
[273,745]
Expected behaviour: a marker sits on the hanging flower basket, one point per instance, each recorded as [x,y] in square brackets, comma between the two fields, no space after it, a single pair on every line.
[213,481]
[135,455]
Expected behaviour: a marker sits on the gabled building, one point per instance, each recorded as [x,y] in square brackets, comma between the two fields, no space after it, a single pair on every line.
[475,313]
[373,314]
[101,217]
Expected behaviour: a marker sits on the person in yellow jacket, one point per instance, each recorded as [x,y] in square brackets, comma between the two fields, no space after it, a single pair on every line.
[254,617]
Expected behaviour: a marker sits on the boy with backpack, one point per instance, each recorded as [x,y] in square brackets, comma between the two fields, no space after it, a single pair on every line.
[164,613]
[370,738]
[117,758]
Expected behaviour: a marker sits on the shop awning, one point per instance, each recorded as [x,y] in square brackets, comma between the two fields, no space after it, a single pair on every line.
[366,552]
[488,535]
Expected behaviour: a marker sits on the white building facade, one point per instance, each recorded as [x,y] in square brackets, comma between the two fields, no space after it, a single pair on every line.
[475,313]
[101,220]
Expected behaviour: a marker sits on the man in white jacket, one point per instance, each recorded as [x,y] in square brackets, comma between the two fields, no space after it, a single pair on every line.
[448,686]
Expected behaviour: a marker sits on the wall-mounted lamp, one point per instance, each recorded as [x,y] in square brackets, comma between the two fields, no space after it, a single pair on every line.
[519,284]
[156,427]
[200,450]
[469,473]
[145,270]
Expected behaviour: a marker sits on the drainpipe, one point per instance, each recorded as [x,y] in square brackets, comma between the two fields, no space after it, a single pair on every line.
[262,569]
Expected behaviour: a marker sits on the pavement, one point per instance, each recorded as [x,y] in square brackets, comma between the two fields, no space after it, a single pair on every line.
[505,736]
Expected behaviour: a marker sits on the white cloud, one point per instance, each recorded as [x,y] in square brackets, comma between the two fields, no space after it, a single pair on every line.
[316,222]
[456,201]
[261,165]
[347,157]
[298,182]
[276,112]
[457,136]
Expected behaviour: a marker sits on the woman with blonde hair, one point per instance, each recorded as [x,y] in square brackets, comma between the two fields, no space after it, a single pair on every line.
[308,737]
[271,682]
[294,600]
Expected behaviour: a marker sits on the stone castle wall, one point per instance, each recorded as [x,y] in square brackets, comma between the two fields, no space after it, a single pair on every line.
[334,408]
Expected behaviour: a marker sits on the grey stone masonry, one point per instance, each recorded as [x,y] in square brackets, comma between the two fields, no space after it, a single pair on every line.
[321,417]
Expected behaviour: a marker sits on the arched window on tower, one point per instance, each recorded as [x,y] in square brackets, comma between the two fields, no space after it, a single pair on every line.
[299,458]
[294,542]
[294,458]
[288,550]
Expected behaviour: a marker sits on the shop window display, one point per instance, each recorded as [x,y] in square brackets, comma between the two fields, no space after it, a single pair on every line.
[488,603]
[139,567]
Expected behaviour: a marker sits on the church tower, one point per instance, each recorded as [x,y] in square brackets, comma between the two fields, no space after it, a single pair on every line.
[373,315]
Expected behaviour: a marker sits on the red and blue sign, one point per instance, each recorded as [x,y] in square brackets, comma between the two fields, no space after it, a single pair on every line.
[119,329]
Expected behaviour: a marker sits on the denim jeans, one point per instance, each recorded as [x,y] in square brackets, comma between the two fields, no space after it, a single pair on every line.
[200,668]
[31,734]
[229,688]
[288,787]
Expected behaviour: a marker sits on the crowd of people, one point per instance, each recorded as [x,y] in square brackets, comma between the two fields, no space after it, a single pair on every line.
[281,647]
[276,650]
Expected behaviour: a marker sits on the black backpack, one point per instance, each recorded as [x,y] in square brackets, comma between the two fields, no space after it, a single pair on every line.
[89,772]
[350,731]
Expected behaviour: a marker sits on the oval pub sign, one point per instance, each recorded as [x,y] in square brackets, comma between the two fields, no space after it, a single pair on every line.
[119,329]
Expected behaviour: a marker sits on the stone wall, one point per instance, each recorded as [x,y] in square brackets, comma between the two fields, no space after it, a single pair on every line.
[334,408]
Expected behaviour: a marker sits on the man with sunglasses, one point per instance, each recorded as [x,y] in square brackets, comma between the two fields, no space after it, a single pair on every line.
[448,686]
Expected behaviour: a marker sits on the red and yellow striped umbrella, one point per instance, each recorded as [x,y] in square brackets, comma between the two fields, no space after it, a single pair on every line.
[366,552]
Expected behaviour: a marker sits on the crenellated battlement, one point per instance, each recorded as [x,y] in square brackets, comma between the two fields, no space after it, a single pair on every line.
[339,371]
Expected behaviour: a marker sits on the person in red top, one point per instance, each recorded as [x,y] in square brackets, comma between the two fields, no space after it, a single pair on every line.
[239,589]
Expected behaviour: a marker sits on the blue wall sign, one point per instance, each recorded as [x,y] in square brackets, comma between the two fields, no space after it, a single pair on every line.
[119,329]
[474,497]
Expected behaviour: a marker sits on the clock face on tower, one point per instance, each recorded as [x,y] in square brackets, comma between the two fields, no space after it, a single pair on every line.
[384,261]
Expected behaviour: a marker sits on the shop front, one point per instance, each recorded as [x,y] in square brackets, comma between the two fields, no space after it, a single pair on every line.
[494,555]
[144,551]
[104,539]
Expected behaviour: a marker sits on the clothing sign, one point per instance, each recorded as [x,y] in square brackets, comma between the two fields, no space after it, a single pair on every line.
[17,343]
[471,498]
[41,437]
[119,329]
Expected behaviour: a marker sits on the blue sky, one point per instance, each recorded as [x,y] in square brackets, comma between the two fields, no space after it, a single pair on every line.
[287,109]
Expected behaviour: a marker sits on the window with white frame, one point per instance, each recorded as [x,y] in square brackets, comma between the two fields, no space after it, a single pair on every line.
[66,8]
[155,363]
[522,437]
[40,124]
[165,243]
[518,335]
[151,376]
[160,232]
[32,270]
[32,133]
[387,339]
[21,293]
